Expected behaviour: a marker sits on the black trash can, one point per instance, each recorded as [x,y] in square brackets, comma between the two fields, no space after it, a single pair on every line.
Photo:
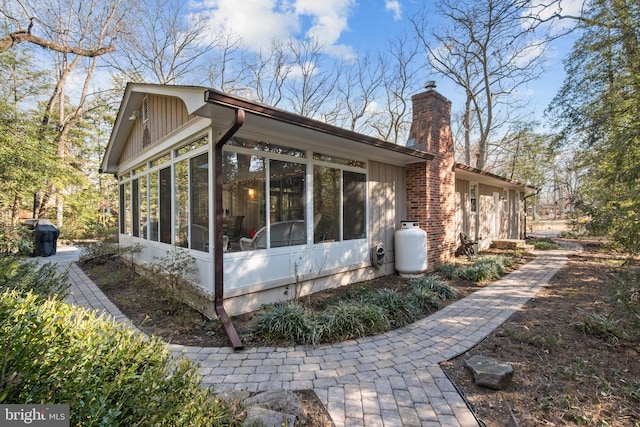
[46,238]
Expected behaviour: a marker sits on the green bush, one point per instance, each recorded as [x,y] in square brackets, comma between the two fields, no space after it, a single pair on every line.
[16,240]
[52,352]
[624,289]
[43,280]
[103,250]
[545,244]
[349,319]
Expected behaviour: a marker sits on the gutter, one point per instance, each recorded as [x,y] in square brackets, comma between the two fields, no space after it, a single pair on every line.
[218,276]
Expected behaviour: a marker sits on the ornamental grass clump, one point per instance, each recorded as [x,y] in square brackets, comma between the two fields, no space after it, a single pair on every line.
[54,352]
[290,321]
[545,244]
[450,271]
[354,319]
[486,268]
[399,309]
[435,285]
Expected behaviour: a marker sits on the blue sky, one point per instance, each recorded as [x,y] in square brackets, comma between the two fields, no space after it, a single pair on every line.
[349,27]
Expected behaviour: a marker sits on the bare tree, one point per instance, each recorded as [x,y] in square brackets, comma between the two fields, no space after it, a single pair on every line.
[490,49]
[267,71]
[162,43]
[224,62]
[26,21]
[69,25]
[401,72]
[309,84]
[358,89]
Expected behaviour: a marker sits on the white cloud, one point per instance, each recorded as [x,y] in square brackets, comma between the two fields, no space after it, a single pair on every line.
[260,21]
[395,7]
[562,7]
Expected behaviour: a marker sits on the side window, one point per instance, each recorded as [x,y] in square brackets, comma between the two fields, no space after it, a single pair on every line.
[199,184]
[123,209]
[165,208]
[154,207]
[327,203]
[339,201]
[181,196]
[244,201]
[142,222]
[473,198]
[354,205]
[286,203]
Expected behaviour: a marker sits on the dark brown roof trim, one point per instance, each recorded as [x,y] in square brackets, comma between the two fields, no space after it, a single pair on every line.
[492,175]
[213,96]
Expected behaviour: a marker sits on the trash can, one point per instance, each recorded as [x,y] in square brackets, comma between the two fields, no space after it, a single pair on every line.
[46,238]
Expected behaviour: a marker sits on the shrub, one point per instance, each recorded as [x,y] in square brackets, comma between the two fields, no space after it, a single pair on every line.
[350,319]
[624,289]
[110,375]
[16,240]
[289,321]
[104,250]
[43,280]
[545,244]
[176,266]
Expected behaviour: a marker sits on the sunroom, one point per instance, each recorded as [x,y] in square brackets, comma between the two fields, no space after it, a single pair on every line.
[301,202]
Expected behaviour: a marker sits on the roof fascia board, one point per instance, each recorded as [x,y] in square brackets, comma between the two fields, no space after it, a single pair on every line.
[218,98]
[479,175]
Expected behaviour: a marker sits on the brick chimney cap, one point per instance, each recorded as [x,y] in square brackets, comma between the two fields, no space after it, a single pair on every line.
[430,85]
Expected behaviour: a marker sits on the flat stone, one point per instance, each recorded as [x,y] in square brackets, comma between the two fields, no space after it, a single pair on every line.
[489,372]
[259,416]
[233,396]
[276,400]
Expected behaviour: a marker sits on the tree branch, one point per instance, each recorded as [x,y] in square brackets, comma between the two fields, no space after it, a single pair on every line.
[16,37]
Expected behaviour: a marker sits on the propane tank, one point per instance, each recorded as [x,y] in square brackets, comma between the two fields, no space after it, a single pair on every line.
[410,249]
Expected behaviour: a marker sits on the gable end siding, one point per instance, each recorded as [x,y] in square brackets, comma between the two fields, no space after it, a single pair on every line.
[166,114]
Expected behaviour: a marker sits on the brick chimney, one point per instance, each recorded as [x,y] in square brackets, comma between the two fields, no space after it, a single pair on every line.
[431,185]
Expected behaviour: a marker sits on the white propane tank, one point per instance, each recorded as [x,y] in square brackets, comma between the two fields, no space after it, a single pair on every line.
[410,243]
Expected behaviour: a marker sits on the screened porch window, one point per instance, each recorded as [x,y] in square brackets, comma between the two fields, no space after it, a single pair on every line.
[339,204]
[263,195]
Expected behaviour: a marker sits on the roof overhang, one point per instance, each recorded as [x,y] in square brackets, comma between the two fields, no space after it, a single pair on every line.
[220,108]
[307,132]
[133,95]
[478,175]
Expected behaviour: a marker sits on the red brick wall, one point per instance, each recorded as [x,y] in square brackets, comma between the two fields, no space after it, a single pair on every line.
[431,185]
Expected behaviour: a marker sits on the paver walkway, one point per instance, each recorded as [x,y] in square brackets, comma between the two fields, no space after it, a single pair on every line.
[387,380]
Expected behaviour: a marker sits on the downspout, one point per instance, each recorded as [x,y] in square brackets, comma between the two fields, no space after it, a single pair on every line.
[218,276]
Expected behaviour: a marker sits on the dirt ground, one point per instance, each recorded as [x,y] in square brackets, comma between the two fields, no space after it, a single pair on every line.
[562,376]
